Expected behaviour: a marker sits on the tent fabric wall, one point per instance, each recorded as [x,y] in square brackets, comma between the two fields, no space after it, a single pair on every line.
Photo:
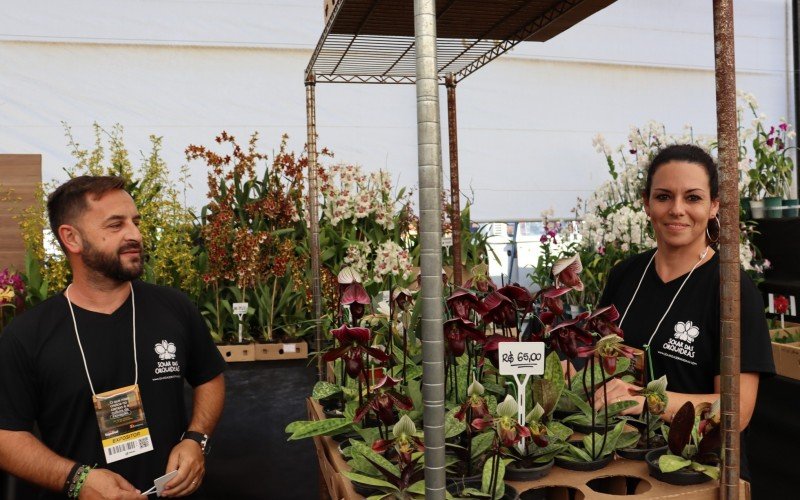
[188,70]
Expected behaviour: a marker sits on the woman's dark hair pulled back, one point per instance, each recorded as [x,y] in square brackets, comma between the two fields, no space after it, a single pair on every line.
[688,153]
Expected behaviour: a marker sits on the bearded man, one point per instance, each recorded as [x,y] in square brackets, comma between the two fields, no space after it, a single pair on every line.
[99,368]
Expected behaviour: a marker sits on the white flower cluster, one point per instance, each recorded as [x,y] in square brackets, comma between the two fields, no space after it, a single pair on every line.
[349,194]
[391,259]
[358,257]
[625,227]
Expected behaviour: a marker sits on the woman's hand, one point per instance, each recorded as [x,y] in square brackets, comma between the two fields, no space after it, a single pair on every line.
[616,390]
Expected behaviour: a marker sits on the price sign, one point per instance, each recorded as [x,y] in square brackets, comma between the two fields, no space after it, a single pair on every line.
[240,308]
[521,358]
[447,240]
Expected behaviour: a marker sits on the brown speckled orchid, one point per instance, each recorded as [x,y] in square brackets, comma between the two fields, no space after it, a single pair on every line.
[608,349]
[383,399]
[353,346]
[475,402]
[505,423]
[480,279]
[462,302]
[404,440]
[566,272]
[456,333]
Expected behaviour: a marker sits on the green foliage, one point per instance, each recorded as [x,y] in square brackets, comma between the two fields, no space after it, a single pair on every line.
[302,429]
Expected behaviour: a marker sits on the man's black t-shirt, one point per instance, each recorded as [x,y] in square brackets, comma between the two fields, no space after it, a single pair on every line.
[686,347]
[42,377]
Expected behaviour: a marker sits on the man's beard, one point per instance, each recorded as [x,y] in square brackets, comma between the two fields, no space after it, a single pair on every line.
[110,265]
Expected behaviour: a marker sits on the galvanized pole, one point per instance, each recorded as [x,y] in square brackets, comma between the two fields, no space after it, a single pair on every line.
[429,144]
[455,197]
[729,244]
[313,215]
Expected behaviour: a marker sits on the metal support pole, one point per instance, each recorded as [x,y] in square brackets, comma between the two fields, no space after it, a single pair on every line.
[429,144]
[729,245]
[455,196]
[313,215]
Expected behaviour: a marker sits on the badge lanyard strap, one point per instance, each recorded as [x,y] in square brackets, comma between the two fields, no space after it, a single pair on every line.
[80,346]
[647,345]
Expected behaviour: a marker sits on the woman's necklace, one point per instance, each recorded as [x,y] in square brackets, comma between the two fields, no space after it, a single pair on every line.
[647,345]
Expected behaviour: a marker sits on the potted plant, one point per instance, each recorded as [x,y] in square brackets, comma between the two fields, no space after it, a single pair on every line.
[693,453]
[652,430]
[536,457]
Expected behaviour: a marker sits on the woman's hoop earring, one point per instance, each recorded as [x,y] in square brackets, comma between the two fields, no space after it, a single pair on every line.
[719,229]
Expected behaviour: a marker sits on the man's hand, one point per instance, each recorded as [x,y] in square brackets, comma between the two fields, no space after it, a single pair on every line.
[187,457]
[104,484]
[616,390]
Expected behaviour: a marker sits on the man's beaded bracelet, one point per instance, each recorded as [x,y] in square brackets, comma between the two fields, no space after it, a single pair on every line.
[76,480]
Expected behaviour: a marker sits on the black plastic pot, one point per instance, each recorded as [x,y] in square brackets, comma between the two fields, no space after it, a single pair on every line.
[588,429]
[585,466]
[456,486]
[516,472]
[636,453]
[682,477]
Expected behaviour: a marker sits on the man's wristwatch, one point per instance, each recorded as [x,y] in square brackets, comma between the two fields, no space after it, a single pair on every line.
[199,438]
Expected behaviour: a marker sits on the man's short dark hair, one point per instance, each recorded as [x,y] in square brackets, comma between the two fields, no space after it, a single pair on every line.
[68,201]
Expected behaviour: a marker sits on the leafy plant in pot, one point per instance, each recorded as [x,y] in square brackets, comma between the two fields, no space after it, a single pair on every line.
[693,453]
[534,458]
[652,430]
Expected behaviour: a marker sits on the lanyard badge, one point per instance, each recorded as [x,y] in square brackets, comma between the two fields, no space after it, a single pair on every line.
[120,415]
[123,427]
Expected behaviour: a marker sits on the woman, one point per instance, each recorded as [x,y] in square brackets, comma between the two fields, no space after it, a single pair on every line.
[669,297]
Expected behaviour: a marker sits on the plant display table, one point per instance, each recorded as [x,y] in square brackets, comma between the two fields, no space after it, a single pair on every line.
[621,477]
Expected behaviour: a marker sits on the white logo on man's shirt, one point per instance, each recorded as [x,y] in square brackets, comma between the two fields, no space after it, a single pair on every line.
[165,350]
[686,332]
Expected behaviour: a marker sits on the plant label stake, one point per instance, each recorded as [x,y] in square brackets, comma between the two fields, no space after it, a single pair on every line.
[240,309]
[521,359]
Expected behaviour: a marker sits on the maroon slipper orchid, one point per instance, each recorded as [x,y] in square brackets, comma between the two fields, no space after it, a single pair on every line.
[520,296]
[463,301]
[603,321]
[456,333]
[353,345]
[564,337]
[608,349]
[480,279]
[382,401]
[402,298]
[551,299]
[405,441]
[566,272]
[499,310]
[355,296]
[505,423]
[475,402]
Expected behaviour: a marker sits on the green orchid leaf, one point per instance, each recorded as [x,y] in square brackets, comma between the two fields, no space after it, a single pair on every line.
[360,448]
[575,454]
[491,404]
[558,430]
[547,394]
[372,481]
[452,426]
[628,440]
[486,478]
[582,405]
[671,463]
[481,444]
[615,409]
[474,493]
[369,434]
[309,428]
[495,388]
[709,470]
[324,390]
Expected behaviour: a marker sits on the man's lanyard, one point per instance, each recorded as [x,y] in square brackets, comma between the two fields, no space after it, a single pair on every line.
[120,413]
[80,346]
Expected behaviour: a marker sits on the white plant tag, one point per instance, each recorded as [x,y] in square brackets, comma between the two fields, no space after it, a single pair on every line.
[240,308]
[521,358]
[289,347]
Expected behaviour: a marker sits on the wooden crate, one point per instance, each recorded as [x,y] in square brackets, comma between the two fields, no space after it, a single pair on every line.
[278,351]
[234,353]
[786,356]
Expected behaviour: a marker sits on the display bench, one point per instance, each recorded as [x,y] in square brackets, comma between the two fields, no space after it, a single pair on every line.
[263,351]
[620,478]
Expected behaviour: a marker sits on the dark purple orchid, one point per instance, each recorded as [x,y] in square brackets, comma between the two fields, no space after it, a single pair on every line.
[404,440]
[505,423]
[565,336]
[551,299]
[353,345]
[456,333]
[608,349]
[462,301]
[492,345]
[520,296]
[499,310]
[603,321]
[475,402]
[382,401]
